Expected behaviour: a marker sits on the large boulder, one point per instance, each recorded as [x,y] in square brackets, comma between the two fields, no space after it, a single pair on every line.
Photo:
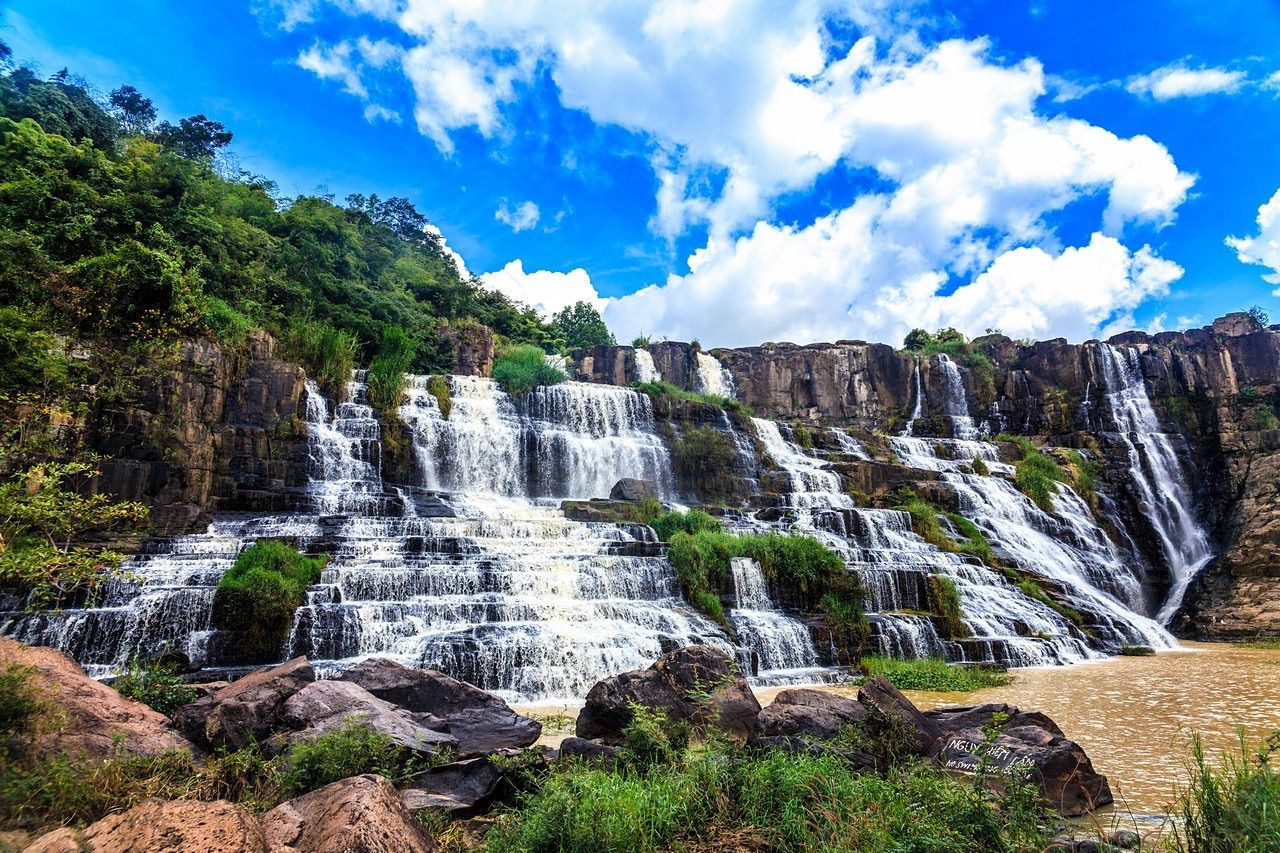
[156,826]
[325,705]
[887,706]
[362,814]
[980,716]
[246,711]
[696,684]
[1059,767]
[807,712]
[460,787]
[479,721]
[630,489]
[96,720]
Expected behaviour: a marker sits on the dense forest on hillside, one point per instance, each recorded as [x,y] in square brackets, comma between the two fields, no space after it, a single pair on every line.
[116,230]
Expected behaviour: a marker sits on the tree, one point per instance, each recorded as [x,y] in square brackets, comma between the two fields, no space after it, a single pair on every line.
[582,326]
[196,137]
[135,113]
[917,340]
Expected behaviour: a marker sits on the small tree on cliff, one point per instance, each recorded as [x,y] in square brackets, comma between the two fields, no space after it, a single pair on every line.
[582,326]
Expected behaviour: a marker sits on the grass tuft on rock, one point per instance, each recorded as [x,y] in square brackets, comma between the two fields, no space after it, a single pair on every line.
[660,390]
[520,369]
[258,595]
[156,685]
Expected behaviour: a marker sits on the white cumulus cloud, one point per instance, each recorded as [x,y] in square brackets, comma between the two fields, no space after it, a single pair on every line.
[522,217]
[1179,81]
[1264,247]
[546,291]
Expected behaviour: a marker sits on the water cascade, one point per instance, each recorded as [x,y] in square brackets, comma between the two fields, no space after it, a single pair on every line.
[710,377]
[918,409]
[645,370]
[779,644]
[955,402]
[1156,472]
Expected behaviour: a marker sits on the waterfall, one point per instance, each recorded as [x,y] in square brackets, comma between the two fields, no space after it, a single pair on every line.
[955,402]
[750,591]
[710,377]
[848,445]
[778,643]
[811,483]
[345,451]
[1156,473]
[645,370]
[918,409]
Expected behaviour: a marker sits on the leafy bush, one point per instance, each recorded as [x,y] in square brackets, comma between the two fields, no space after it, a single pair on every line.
[348,750]
[581,326]
[387,373]
[259,594]
[946,603]
[933,674]
[155,684]
[328,354]
[695,520]
[651,738]
[954,345]
[523,368]
[660,390]
[228,324]
[1231,807]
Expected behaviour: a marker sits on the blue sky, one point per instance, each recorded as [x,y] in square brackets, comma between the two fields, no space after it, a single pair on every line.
[740,172]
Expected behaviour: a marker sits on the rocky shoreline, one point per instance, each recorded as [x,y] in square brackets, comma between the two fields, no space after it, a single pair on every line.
[478,753]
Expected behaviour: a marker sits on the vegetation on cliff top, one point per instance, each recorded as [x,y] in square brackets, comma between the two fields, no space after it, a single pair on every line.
[955,346]
[660,390]
[520,369]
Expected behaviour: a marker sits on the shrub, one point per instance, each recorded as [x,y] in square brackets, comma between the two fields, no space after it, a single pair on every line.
[155,684]
[933,674]
[522,368]
[946,603]
[669,524]
[1085,474]
[348,750]
[660,390]
[231,326]
[979,466]
[803,436]
[328,354]
[651,738]
[703,449]
[20,704]
[1036,474]
[387,373]
[438,387]
[259,594]
[641,341]
[1232,806]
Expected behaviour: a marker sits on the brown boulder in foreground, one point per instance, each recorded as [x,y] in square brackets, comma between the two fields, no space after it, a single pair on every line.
[95,718]
[362,814]
[246,711]
[156,826]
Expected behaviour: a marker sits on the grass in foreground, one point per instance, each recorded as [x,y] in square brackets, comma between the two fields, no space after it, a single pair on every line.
[933,674]
[1233,806]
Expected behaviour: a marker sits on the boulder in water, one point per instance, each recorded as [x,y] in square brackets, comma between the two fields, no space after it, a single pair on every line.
[325,705]
[630,489]
[246,711]
[362,814]
[980,716]
[815,713]
[156,826]
[97,720]
[696,684]
[479,721]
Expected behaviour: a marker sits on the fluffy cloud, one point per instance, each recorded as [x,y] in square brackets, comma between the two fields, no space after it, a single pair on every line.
[746,102]
[347,62]
[1178,81]
[523,217]
[1264,247]
[546,291]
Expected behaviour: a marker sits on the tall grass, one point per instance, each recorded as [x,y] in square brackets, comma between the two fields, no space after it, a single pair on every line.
[933,674]
[659,390]
[259,594]
[1232,806]
[387,373]
[522,368]
[328,354]
[1036,474]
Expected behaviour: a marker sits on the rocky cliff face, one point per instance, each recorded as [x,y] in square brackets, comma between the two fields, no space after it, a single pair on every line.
[205,430]
[1215,389]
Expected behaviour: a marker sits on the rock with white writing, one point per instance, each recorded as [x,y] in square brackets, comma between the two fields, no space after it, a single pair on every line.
[1028,753]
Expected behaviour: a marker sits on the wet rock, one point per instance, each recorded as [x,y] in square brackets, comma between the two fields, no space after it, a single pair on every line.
[954,719]
[246,711]
[817,713]
[1126,839]
[325,705]
[97,720]
[461,787]
[630,489]
[479,722]
[1059,767]
[363,814]
[156,826]
[696,684]
[888,701]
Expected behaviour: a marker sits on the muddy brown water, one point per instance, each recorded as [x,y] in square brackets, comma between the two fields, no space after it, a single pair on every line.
[1133,715]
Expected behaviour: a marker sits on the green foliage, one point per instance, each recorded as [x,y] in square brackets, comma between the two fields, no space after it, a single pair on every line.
[345,751]
[713,799]
[31,360]
[979,466]
[228,324]
[523,368]
[946,602]
[1269,644]
[20,704]
[581,326]
[155,684]
[328,354]
[1248,396]
[651,738]
[1231,807]
[1036,474]
[641,341]
[933,674]
[1264,420]
[659,390]
[438,387]
[386,378]
[42,520]
[1084,475]
[669,524]
[701,561]
[259,594]
[955,346]
[703,450]
[803,436]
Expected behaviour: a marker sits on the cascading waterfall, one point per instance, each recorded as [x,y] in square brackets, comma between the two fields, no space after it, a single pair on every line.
[918,409]
[1156,472]
[711,377]
[779,643]
[812,485]
[955,401]
[645,370]
[345,452]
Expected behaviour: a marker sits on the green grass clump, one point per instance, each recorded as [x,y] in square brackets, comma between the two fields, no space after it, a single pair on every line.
[668,524]
[1036,474]
[259,594]
[1233,806]
[20,705]
[386,379]
[946,601]
[719,798]
[438,387]
[328,354]
[1085,473]
[933,674]
[1268,644]
[156,685]
[703,450]
[348,750]
[659,390]
[520,369]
